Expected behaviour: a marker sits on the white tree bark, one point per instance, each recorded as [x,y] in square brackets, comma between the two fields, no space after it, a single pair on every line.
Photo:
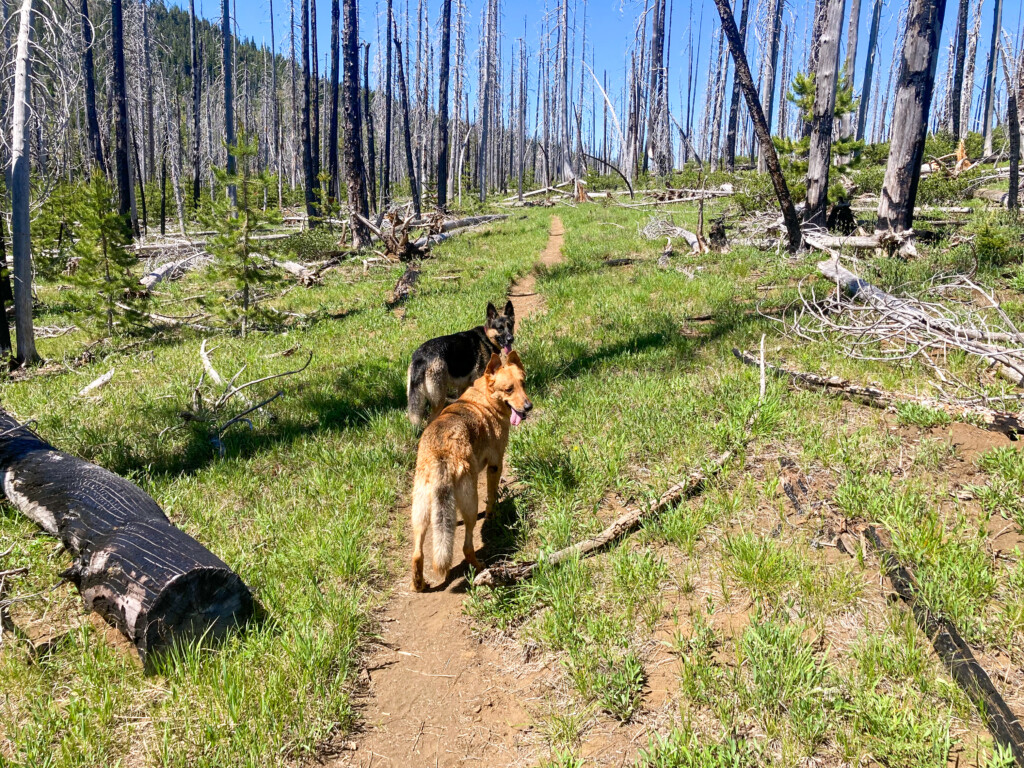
[21,243]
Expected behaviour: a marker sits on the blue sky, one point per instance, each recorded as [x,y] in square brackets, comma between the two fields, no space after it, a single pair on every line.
[610,28]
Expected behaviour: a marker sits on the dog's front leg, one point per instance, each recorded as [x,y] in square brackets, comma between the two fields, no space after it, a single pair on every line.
[493,478]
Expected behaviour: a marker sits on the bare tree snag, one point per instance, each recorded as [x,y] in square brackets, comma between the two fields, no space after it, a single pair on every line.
[734,101]
[869,69]
[826,80]
[196,86]
[958,67]
[954,651]
[403,92]
[355,177]
[746,81]
[120,94]
[334,180]
[151,580]
[229,95]
[1013,129]
[89,73]
[308,172]
[20,195]
[442,105]
[910,115]
[990,76]
[371,151]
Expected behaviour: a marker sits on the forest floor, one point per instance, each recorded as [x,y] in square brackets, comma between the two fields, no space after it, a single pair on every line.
[733,630]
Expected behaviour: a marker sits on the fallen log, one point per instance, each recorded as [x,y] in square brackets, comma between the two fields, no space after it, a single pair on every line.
[892,306]
[403,288]
[171,270]
[96,384]
[955,653]
[151,580]
[997,421]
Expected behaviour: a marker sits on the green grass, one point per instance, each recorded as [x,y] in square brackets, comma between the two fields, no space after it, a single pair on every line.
[789,652]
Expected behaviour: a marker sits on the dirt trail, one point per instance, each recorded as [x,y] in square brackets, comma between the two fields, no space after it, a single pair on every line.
[432,694]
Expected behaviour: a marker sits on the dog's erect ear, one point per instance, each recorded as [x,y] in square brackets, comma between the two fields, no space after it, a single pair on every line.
[513,359]
[491,311]
[510,311]
[493,364]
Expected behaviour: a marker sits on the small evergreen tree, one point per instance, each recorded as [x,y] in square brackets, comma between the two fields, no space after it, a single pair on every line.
[238,259]
[801,94]
[108,289]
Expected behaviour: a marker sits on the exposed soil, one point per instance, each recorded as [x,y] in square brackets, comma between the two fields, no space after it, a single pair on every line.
[432,694]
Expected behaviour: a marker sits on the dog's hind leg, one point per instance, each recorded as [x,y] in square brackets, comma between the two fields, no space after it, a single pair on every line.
[435,387]
[420,525]
[467,502]
[493,478]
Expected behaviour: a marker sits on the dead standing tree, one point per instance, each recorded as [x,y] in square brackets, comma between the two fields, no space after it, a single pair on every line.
[442,105]
[825,82]
[229,96]
[20,193]
[308,173]
[732,34]
[355,175]
[910,115]
[403,90]
[958,68]
[990,77]
[88,71]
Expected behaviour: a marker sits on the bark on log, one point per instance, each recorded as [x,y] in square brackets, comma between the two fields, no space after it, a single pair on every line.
[955,653]
[997,421]
[151,580]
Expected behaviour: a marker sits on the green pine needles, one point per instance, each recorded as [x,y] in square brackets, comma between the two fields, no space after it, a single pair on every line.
[241,260]
[108,293]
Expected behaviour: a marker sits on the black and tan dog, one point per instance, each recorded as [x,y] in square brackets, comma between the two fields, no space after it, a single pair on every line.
[454,362]
[467,438]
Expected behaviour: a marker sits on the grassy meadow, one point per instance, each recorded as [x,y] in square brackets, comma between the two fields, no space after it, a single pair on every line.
[783,650]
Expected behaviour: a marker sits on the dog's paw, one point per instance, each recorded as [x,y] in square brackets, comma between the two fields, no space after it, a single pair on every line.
[419,584]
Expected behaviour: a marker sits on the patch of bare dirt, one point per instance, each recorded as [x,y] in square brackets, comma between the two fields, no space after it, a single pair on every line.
[431,693]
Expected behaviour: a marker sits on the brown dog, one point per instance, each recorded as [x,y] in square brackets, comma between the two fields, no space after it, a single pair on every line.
[469,436]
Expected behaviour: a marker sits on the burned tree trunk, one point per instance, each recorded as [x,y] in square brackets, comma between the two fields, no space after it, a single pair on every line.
[1013,131]
[20,195]
[442,105]
[355,177]
[196,85]
[151,580]
[990,77]
[403,92]
[734,102]
[371,151]
[910,115]
[958,67]
[120,90]
[89,73]
[308,173]
[229,97]
[825,83]
[732,34]
[334,181]
[869,70]
[771,66]
[852,33]
[385,173]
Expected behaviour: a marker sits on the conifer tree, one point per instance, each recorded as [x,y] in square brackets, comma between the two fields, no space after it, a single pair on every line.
[107,292]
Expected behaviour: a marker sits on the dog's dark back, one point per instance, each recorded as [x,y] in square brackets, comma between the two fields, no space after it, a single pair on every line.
[456,360]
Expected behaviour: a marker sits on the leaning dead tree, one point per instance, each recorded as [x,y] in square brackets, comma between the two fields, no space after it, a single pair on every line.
[910,115]
[826,79]
[792,222]
[145,576]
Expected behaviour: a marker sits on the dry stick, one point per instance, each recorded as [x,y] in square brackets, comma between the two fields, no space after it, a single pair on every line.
[997,421]
[955,654]
[510,573]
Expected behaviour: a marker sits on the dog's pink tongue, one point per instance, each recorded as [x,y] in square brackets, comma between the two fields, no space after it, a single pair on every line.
[515,418]
[506,350]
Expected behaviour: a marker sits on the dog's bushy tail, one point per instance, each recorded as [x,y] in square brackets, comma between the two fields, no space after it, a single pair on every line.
[433,506]
[442,519]
[417,398]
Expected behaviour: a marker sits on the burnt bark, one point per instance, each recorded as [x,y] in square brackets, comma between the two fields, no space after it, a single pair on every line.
[958,67]
[89,73]
[1013,132]
[355,176]
[869,69]
[308,172]
[826,80]
[151,580]
[910,114]
[734,102]
[334,180]
[403,90]
[746,81]
[120,94]
[442,105]
[227,40]
[990,78]
[385,173]
[196,86]
[371,150]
